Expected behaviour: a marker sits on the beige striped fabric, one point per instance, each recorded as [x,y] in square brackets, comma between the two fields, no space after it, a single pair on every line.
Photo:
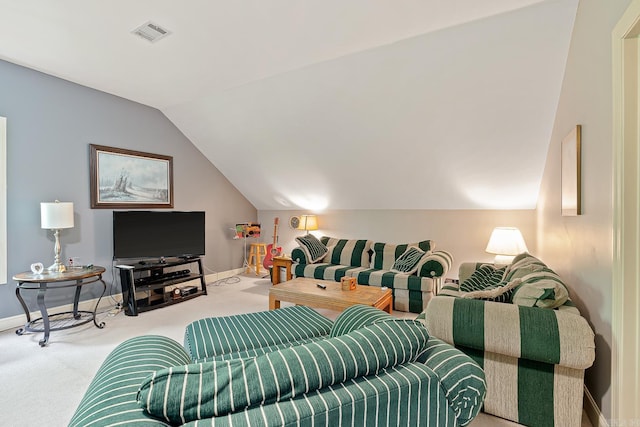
[342,251]
[533,358]
[502,330]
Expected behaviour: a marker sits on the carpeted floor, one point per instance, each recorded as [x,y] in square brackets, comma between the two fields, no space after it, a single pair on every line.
[43,386]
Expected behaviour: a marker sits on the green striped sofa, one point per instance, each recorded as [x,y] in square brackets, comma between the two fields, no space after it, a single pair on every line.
[371,262]
[534,358]
[283,368]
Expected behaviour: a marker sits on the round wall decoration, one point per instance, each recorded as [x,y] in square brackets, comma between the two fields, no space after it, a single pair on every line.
[294,221]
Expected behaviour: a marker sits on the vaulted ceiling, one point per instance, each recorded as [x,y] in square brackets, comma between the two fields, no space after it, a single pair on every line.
[337,104]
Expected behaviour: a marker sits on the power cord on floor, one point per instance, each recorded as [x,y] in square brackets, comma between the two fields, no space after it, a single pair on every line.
[225,281]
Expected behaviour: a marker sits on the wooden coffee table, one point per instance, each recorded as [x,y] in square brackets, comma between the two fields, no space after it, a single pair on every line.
[304,291]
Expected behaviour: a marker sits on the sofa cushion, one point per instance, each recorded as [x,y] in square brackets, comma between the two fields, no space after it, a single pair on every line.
[313,248]
[189,392]
[351,252]
[356,317]
[385,254]
[407,263]
[248,333]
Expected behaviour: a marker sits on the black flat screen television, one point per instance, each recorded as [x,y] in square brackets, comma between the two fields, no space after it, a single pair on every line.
[158,234]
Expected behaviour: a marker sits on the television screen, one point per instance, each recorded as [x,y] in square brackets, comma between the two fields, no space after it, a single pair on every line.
[149,234]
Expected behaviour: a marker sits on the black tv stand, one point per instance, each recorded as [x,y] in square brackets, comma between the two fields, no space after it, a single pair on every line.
[149,285]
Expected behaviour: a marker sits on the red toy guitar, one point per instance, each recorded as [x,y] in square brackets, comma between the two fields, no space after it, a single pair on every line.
[272,249]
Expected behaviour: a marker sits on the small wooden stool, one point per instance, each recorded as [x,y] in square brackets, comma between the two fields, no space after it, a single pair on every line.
[256,252]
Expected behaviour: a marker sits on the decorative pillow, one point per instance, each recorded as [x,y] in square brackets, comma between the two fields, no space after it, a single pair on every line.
[486,283]
[385,254]
[186,393]
[313,248]
[485,276]
[407,263]
[435,264]
[356,317]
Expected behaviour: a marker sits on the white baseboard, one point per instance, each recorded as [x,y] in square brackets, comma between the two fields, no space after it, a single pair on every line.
[17,321]
[593,411]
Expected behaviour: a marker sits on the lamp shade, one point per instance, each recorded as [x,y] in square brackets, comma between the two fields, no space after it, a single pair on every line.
[506,241]
[56,215]
[308,222]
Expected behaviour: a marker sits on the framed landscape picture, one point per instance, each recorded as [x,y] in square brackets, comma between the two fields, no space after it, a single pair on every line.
[130,179]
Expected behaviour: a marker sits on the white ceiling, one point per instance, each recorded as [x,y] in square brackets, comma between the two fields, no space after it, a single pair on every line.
[359,104]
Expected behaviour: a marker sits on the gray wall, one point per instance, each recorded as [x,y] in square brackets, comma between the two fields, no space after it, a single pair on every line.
[580,248]
[50,124]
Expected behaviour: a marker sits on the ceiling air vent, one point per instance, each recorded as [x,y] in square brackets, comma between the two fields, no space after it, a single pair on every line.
[151,32]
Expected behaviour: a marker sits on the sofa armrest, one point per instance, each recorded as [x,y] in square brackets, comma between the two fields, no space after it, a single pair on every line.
[435,265]
[540,334]
[111,398]
[298,256]
[461,378]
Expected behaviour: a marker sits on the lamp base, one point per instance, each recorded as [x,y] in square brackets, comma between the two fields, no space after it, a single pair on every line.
[503,259]
[57,268]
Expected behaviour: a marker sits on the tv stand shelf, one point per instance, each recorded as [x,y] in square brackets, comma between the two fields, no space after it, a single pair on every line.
[147,286]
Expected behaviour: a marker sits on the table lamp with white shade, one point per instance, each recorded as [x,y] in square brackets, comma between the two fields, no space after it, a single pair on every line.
[56,216]
[506,243]
[308,223]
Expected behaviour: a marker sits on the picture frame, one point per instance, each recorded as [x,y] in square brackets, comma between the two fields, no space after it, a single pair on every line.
[128,179]
[572,173]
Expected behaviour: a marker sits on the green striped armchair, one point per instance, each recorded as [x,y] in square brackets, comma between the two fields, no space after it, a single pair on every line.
[371,263]
[534,358]
[366,368]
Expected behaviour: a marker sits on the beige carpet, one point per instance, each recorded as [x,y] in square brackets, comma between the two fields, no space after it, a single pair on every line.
[43,386]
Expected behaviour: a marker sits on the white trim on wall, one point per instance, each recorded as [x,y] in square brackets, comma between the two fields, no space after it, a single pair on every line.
[625,369]
[3,200]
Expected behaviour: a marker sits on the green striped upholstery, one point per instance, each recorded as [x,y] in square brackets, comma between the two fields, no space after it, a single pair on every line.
[298,256]
[411,293]
[486,280]
[534,358]
[405,395]
[257,351]
[437,390]
[536,279]
[111,397]
[540,286]
[486,275]
[461,378]
[437,264]
[355,317]
[354,253]
[196,391]
[252,334]
[385,254]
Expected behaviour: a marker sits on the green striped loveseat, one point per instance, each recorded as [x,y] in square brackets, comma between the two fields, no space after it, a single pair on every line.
[534,358]
[371,262]
[368,369]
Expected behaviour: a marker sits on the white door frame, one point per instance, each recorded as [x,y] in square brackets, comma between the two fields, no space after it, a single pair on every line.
[625,367]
